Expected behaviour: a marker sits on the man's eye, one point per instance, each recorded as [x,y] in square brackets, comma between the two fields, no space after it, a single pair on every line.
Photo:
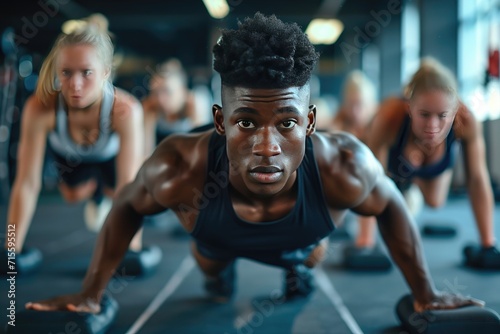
[245,124]
[288,124]
[87,72]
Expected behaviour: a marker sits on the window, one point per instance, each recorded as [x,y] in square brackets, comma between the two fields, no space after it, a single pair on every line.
[479,36]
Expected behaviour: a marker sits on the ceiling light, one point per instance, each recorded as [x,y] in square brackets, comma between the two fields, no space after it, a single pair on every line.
[324,31]
[217,8]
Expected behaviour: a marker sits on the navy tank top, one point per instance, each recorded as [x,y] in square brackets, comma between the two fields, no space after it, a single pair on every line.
[401,171]
[106,146]
[219,226]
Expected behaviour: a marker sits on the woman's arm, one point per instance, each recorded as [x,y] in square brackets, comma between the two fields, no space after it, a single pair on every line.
[150,119]
[135,200]
[384,128]
[36,122]
[128,123]
[478,180]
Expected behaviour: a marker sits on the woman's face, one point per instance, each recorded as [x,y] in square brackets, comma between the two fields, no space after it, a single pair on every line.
[81,74]
[355,108]
[170,93]
[432,113]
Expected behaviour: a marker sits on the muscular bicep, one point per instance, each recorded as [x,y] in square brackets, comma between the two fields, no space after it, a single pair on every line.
[159,181]
[378,198]
[378,189]
[140,198]
[353,172]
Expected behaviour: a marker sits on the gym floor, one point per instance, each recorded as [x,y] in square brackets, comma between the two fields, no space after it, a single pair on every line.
[172,299]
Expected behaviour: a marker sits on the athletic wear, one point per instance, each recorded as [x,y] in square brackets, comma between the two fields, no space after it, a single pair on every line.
[221,235]
[402,171]
[77,163]
[106,146]
[74,173]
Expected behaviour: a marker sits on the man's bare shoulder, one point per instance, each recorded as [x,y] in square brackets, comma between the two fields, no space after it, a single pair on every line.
[176,167]
[331,143]
[348,168]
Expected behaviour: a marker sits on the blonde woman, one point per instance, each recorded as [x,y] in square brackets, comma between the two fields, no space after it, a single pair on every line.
[93,130]
[358,106]
[170,106]
[417,140]
[357,109]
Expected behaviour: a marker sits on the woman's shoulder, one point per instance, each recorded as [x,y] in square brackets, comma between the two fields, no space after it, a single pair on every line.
[393,108]
[465,124]
[36,108]
[125,103]
[389,119]
[126,98]
[39,114]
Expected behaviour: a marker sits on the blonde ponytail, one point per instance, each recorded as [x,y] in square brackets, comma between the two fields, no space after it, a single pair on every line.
[432,75]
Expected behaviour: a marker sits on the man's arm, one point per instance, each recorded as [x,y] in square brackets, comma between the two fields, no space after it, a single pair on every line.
[370,192]
[403,242]
[131,203]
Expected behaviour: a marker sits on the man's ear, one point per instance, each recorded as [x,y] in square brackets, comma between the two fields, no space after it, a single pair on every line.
[218,119]
[311,118]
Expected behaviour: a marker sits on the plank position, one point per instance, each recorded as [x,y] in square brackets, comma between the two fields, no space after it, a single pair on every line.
[262,185]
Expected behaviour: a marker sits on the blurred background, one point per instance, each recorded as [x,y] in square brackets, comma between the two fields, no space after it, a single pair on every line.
[383,38]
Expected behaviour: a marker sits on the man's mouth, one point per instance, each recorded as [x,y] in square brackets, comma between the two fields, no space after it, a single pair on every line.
[266,174]
[265,169]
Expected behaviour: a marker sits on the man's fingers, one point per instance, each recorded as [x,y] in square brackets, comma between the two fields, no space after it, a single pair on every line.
[477,302]
[447,304]
[71,307]
[83,308]
[39,307]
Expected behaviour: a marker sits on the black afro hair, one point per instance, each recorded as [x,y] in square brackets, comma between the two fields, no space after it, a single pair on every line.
[264,52]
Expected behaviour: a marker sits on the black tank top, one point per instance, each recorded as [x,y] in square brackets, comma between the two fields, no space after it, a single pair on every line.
[219,226]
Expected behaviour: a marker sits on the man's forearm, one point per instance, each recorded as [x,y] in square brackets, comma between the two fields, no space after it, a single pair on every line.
[403,242]
[120,227]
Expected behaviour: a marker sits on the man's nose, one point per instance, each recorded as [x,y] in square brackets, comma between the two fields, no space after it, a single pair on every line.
[266,143]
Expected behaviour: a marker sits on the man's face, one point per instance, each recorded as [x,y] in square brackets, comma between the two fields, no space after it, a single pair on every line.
[265,131]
